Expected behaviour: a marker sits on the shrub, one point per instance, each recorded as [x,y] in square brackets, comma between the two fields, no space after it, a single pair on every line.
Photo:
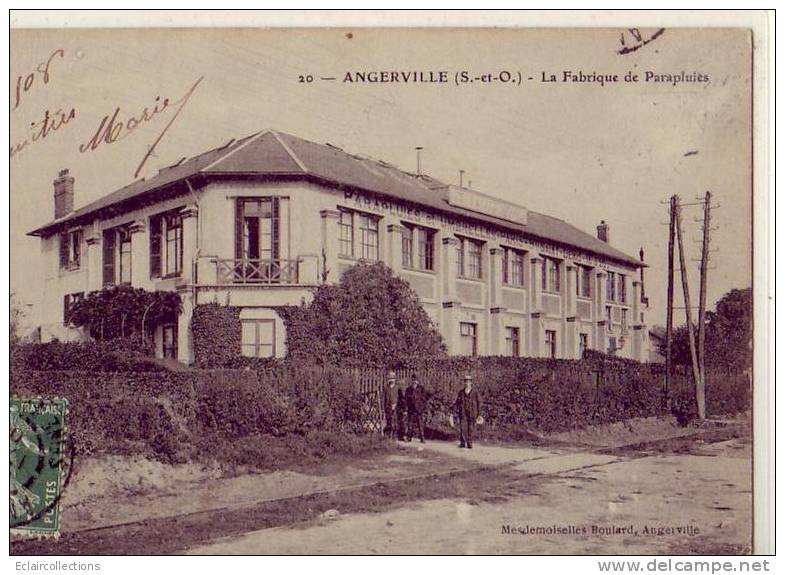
[523,395]
[123,311]
[148,413]
[216,335]
[252,417]
[177,415]
[370,318]
[281,401]
[111,355]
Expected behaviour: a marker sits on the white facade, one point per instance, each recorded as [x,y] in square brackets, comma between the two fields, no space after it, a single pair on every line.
[482,315]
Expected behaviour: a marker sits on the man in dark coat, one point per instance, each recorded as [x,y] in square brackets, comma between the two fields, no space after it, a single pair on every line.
[415,405]
[400,411]
[467,408]
[389,403]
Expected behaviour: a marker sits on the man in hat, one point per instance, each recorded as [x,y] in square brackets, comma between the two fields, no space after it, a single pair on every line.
[389,403]
[415,405]
[467,408]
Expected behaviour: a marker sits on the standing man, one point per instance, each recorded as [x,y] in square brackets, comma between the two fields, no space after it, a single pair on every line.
[389,403]
[467,408]
[400,412]
[415,404]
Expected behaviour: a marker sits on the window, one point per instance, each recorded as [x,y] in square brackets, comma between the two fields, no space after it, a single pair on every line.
[622,288]
[551,275]
[609,317]
[169,341]
[156,240]
[345,233]
[583,285]
[166,245]
[550,343]
[258,338]
[512,267]
[108,247]
[117,256]
[583,344]
[469,261]
[71,249]
[469,258]
[124,244]
[459,259]
[407,244]
[468,338]
[257,229]
[474,259]
[610,284]
[174,245]
[624,320]
[68,302]
[369,237]
[369,234]
[513,341]
[425,243]
[612,346]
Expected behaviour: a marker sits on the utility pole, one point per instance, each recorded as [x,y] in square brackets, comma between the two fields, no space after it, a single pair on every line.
[700,388]
[696,375]
[669,323]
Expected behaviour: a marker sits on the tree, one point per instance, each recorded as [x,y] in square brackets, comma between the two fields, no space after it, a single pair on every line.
[728,333]
[729,330]
[371,318]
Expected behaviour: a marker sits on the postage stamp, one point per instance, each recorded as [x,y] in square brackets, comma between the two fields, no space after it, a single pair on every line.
[37,464]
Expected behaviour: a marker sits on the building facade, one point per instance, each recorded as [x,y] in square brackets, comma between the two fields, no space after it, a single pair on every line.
[261,221]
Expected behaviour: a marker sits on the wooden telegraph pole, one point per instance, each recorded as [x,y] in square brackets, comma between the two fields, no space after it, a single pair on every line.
[669,323]
[696,375]
[700,387]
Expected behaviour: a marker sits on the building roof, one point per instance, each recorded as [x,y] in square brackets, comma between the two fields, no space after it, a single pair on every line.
[276,154]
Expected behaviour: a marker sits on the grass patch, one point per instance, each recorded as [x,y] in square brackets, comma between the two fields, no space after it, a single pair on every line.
[311,453]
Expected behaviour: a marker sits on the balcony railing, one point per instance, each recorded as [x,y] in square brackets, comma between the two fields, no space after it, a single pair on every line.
[265,272]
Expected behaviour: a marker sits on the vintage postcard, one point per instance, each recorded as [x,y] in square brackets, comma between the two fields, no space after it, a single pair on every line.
[402,290]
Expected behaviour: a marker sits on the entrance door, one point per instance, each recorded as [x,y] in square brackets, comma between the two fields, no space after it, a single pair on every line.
[169,337]
[260,239]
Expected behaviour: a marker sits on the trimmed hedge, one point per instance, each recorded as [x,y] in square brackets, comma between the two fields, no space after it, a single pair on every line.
[216,335]
[118,355]
[532,394]
[244,416]
[176,416]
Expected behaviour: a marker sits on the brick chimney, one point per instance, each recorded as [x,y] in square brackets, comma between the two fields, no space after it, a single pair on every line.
[602,231]
[64,194]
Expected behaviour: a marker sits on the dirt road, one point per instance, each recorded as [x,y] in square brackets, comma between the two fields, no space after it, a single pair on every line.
[682,495]
[698,502]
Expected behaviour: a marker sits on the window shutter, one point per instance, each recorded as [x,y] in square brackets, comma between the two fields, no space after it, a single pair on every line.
[108,253]
[64,249]
[77,239]
[66,311]
[238,229]
[276,216]
[155,246]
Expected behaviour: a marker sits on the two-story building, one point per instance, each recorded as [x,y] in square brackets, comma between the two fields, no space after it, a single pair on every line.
[261,221]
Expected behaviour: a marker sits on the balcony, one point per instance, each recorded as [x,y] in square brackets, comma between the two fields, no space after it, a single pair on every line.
[258,272]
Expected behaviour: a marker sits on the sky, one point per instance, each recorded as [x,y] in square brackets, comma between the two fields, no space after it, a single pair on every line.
[578,151]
